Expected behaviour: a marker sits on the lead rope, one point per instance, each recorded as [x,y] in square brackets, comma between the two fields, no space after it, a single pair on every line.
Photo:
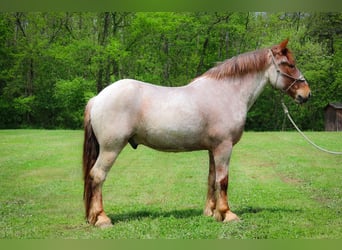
[286,111]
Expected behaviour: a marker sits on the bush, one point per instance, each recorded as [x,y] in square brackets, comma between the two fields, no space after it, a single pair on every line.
[70,99]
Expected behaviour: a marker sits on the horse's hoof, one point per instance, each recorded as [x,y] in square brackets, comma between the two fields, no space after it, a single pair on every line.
[104,225]
[103,222]
[230,216]
[208,212]
[217,215]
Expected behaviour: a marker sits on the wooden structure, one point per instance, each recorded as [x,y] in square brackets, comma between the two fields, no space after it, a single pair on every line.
[333,117]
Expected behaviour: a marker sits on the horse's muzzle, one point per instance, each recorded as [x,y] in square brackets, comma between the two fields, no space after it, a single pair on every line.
[302,99]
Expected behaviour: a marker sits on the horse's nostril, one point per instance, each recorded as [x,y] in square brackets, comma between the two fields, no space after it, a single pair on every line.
[300,99]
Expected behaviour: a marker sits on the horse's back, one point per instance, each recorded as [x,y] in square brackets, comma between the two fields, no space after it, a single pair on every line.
[153,115]
[165,118]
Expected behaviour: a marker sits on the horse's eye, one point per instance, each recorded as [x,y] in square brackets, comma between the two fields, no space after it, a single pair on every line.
[288,64]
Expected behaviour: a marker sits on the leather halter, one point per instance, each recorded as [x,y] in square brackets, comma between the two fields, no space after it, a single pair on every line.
[279,72]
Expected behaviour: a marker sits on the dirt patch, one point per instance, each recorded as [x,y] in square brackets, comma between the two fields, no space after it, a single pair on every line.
[290,180]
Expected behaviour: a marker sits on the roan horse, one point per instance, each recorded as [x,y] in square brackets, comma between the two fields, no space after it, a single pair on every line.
[207,114]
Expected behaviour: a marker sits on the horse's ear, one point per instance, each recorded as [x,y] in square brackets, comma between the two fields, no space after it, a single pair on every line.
[283,44]
[281,48]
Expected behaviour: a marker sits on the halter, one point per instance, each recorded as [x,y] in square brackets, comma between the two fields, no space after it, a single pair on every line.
[279,72]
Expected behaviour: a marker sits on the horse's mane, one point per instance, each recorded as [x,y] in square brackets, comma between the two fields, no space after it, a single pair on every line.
[249,62]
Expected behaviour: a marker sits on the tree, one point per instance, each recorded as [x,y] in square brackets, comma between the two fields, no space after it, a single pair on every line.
[50,63]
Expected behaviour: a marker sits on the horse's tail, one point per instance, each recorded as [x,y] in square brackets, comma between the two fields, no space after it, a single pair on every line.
[90,154]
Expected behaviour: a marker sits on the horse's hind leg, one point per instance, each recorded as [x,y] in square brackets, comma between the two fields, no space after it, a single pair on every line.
[98,173]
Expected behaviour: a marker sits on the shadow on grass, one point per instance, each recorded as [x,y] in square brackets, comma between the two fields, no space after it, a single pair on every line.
[190,213]
[179,214]
[254,210]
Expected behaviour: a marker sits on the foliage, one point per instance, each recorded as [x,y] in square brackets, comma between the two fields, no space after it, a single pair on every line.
[70,99]
[42,55]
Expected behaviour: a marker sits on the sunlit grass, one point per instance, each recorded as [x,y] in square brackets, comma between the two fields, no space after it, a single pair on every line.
[280,187]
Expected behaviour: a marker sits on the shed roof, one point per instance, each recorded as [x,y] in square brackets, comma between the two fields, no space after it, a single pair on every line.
[334,105]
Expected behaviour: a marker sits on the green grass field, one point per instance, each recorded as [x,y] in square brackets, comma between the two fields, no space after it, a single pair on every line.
[281,187]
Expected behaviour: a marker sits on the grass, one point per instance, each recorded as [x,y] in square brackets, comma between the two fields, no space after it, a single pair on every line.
[280,186]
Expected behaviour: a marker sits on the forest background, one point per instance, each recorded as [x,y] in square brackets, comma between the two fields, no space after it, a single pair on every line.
[52,63]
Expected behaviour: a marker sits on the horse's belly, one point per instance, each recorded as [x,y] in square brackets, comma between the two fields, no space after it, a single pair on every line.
[170,140]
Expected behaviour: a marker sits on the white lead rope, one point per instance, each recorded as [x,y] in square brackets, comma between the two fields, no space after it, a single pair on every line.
[286,111]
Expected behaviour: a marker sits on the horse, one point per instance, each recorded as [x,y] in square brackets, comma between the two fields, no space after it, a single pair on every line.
[208,114]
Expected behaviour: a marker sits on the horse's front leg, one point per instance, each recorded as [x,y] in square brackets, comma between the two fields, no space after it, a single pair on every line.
[221,156]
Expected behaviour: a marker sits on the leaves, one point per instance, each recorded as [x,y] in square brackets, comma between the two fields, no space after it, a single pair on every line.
[50,61]
[70,97]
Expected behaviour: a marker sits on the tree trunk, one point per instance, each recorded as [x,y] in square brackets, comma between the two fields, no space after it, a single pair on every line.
[200,66]
[103,40]
[29,79]
[165,50]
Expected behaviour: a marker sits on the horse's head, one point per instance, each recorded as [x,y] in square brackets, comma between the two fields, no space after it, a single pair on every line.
[284,74]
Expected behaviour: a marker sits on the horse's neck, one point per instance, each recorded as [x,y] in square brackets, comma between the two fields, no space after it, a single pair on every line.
[246,89]
[251,87]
